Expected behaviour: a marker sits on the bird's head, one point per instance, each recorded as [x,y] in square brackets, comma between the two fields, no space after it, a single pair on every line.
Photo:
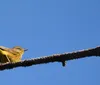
[19,49]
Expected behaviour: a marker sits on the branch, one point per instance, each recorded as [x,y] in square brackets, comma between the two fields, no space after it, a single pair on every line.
[53,58]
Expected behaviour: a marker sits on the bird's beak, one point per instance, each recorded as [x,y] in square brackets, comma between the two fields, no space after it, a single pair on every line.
[25,49]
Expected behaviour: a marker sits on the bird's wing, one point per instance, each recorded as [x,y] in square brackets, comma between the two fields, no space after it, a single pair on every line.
[4,59]
[8,50]
[4,48]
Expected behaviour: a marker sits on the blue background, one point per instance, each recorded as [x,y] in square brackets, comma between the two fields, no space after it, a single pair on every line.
[49,27]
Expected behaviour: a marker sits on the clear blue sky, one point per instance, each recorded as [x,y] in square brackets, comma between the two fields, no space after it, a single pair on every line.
[49,27]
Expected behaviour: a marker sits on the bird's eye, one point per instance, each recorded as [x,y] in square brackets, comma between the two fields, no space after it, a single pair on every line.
[19,48]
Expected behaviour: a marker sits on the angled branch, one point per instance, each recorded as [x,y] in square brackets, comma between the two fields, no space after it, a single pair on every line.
[54,58]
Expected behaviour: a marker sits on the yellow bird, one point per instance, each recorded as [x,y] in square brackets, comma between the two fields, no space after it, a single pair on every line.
[11,54]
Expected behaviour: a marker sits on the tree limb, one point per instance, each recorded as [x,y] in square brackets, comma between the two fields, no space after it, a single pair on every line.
[53,58]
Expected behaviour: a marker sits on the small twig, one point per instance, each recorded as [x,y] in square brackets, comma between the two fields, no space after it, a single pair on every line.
[54,58]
